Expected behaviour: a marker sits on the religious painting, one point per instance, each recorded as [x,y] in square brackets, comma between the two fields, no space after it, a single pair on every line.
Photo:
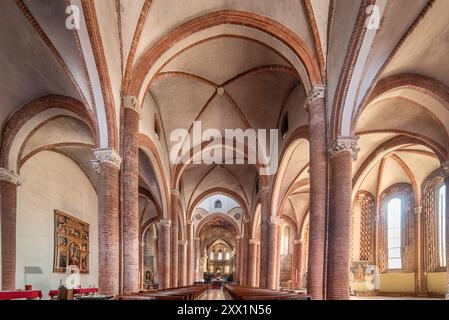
[364,277]
[71,243]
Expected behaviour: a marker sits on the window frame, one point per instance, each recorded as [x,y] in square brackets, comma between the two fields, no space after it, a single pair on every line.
[387,202]
[440,231]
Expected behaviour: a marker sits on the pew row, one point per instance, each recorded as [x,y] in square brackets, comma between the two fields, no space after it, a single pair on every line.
[181,293]
[249,293]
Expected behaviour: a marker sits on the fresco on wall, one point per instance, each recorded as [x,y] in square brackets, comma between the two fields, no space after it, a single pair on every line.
[364,277]
[71,243]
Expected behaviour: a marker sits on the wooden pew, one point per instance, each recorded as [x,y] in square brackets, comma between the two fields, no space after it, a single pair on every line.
[181,293]
[249,293]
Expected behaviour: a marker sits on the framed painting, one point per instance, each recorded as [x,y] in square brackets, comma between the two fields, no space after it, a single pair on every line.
[71,243]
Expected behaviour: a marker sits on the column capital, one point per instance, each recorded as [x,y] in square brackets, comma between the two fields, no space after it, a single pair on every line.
[345,144]
[444,169]
[174,193]
[182,242]
[418,210]
[106,155]
[189,222]
[165,223]
[132,103]
[265,189]
[317,92]
[298,241]
[274,220]
[10,176]
[253,241]
[196,239]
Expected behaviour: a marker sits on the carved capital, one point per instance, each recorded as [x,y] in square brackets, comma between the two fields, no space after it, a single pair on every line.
[174,193]
[253,241]
[183,242]
[298,241]
[132,103]
[444,170]
[317,92]
[165,223]
[274,220]
[10,176]
[418,210]
[105,156]
[345,144]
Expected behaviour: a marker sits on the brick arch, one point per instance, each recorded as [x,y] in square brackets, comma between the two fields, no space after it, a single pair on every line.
[218,190]
[388,146]
[146,144]
[210,217]
[35,107]
[429,86]
[251,20]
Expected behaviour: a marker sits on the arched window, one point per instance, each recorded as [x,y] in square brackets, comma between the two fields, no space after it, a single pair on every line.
[228,255]
[211,255]
[394,247]
[441,224]
[218,204]
[220,255]
[285,241]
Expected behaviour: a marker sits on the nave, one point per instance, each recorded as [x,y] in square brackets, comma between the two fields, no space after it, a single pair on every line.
[287,149]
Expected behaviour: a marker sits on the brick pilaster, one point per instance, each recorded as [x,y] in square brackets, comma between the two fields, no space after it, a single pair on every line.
[273,260]
[252,263]
[318,180]
[182,281]
[237,260]
[341,157]
[130,215]
[198,275]
[107,165]
[164,254]
[190,254]
[297,264]
[8,189]
[264,237]
[174,237]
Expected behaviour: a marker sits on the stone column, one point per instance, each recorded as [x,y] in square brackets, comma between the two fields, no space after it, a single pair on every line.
[130,216]
[190,254]
[237,260]
[342,153]
[107,165]
[315,105]
[297,263]
[174,237]
[252,263]
[182,282]
[264,237]
[198,276]
[8,190]
[257,264]
[272,253]
[164,254]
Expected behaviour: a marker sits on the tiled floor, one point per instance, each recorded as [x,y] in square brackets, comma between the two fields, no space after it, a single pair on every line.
[215,294]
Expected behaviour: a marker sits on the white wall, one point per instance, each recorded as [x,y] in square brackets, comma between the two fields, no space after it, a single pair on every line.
[52,181]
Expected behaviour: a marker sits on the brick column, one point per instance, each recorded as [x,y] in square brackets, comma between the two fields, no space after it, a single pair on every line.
[198,276]
[190,254]
[244,252]
[297,263]
[272,253]
[237,260]
[241,275]
[8,190]
[257,264]
[342,152]
[156,258]
[174,237]
[445,168]
[420,274]
[182,281]
[130,216]
[264,237]
[252,263]
[164,254]
[315,105]
[107,165]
